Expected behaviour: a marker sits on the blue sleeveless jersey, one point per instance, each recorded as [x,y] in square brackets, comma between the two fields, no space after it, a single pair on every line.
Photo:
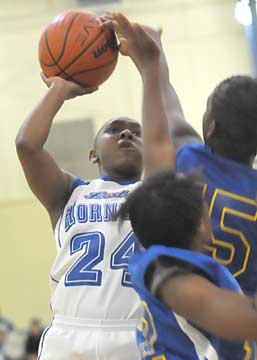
[162,334]
[230,191]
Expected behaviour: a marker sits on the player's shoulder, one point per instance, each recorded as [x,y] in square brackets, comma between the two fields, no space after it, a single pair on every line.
[186,259]
[78,182]
[193,146]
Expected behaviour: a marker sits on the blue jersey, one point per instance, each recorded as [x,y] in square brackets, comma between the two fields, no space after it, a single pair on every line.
[162,334]
[230,191]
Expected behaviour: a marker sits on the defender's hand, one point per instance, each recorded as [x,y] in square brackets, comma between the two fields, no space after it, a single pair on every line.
[135,41]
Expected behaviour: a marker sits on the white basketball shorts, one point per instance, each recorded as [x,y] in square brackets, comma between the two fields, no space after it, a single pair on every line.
[75,339]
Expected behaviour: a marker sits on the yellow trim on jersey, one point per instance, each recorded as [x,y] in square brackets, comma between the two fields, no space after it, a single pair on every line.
[159,357]
[204,189]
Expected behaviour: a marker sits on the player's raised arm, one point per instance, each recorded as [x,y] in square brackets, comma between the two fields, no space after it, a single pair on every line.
[226,314]
[180,130]
[137,42]
[48,182]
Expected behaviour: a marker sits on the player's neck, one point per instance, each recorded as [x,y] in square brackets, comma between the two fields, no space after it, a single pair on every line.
[249,162]
[119,178]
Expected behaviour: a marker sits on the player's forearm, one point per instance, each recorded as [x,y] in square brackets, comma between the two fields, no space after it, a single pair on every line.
[235,318]
[179,129]
[155,124]
[171,102]
[224,313]
[34,131]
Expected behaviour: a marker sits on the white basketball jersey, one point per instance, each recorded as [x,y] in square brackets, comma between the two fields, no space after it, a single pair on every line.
[89,278]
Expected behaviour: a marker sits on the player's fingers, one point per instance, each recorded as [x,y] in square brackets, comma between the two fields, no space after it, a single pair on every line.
[116,27]
[106,16]
[125,25]
[122,41]
[108,23]
[123,46]
[104,19]
[45,79]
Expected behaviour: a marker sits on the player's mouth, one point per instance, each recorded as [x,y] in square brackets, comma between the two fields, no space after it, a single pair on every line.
[126,144]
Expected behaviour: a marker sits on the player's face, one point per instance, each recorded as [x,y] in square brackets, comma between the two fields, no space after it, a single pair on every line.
[118,148]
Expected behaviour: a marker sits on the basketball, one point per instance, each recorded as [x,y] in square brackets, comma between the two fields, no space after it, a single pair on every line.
[76,47]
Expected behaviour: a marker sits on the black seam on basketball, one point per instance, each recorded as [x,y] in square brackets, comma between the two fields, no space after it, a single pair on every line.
[56,64]
[81,53]
[96,68]
[64,43]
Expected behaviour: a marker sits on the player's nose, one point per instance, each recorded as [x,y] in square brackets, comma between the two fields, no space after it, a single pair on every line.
[126,134]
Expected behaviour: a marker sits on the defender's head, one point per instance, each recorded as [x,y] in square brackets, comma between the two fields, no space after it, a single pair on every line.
[117,149]
[168,209]
[230,120]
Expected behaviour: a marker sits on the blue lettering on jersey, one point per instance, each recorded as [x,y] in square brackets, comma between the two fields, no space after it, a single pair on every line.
[69,217]
[83,213]
[107,195]
[95,212]
[109,210]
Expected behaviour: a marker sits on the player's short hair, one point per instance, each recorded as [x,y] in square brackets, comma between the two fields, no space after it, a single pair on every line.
[234,110]
[166,209]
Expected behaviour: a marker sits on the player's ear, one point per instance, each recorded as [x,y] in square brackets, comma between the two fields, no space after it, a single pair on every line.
[93,158]
[211,129]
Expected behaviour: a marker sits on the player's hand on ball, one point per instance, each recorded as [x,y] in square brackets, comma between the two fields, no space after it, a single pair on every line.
[135,41]
[70,88]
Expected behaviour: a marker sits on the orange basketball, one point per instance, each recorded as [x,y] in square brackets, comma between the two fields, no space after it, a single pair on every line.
[76,47]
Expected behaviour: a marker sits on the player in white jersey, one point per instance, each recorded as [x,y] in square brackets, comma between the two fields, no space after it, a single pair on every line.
[94,307]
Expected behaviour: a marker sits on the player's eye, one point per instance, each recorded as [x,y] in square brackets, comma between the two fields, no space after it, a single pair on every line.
[114,130]
[137,133]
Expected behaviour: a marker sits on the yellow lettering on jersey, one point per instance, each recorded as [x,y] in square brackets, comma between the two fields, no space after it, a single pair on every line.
[159,357]
[248,351]
[229,211]
[147,327]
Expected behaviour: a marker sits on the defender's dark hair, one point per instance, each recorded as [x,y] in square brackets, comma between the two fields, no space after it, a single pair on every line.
[166,209]
[234,110]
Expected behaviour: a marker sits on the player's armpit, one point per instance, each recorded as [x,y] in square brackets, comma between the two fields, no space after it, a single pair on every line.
[224,313]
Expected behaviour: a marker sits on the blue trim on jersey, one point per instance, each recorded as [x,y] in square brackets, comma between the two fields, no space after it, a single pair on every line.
[121,182]
[78,182]
[59,229]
